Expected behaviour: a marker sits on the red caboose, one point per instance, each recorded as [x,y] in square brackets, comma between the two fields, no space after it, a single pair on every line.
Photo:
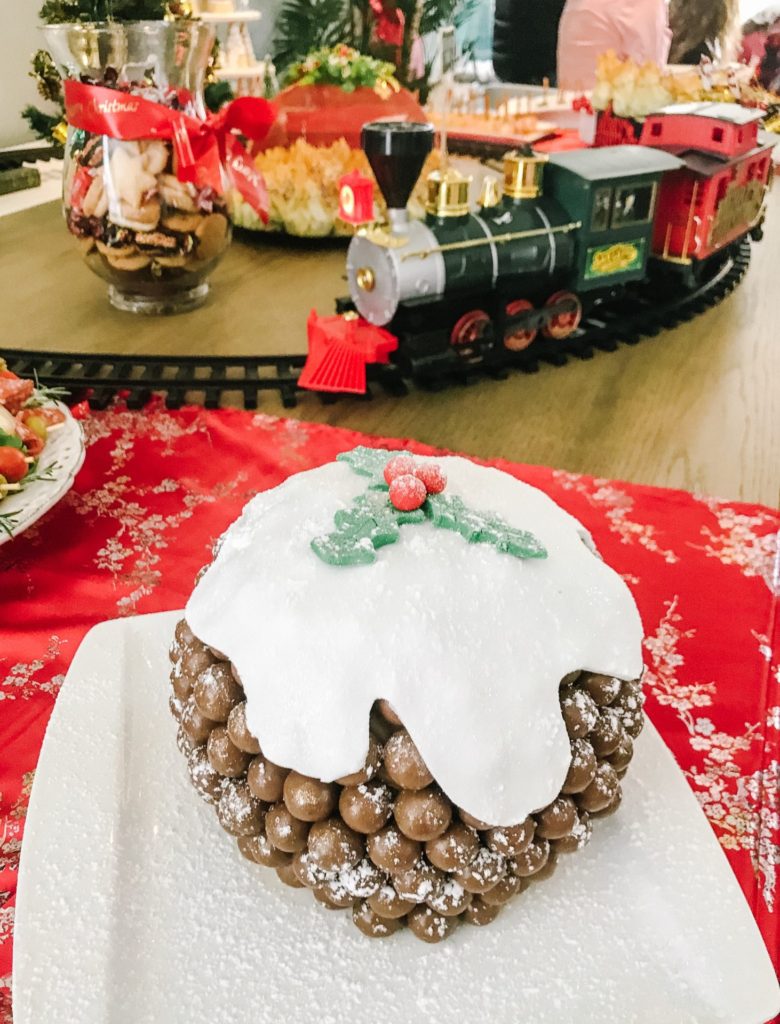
[718,196]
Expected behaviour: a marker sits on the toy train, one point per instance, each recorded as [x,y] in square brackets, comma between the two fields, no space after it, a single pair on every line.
[564,233]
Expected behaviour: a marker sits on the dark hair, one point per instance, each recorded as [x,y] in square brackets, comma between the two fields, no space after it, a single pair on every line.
[700,26]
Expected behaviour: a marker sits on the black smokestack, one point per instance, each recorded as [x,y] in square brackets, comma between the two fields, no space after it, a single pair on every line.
[396,151]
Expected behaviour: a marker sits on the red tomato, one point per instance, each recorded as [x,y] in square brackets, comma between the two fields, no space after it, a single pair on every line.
[8,375]
[12,464]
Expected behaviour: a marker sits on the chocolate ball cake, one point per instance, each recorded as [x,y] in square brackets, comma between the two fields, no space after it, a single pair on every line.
[409,687]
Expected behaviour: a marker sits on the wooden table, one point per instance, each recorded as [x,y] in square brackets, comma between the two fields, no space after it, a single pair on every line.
[697,407]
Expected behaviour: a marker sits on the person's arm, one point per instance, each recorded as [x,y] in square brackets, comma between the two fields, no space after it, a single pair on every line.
[644,31]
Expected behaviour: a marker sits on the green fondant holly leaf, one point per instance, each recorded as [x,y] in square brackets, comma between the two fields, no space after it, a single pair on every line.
[450,512]
[372,521]
[343,549]
[370,462]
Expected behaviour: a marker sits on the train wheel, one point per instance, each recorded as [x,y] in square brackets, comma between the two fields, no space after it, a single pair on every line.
[516,339]
[563,324]
[469,331]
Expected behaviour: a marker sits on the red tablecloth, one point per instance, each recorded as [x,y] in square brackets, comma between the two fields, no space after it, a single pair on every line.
[159,487]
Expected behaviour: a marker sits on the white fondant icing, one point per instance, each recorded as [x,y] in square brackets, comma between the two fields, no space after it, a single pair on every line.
[468,644]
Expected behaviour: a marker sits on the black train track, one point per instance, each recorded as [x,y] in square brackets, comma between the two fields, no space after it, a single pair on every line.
[640,311]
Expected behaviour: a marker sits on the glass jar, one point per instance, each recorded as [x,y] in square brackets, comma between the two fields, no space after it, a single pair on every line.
[154,238]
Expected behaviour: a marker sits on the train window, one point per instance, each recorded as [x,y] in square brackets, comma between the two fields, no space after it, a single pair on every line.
[657,130]
[717,135]
[602,207]
[633,205]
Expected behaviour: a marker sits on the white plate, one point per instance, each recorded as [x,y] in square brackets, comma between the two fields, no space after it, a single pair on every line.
[134,906]
[64,454]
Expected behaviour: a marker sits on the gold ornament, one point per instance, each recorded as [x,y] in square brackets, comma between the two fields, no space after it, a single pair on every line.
[60,132]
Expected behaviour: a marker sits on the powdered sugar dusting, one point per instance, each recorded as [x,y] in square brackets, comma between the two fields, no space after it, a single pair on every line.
[334,639]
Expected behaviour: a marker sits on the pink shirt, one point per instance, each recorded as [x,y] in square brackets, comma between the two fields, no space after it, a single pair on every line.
[588,28]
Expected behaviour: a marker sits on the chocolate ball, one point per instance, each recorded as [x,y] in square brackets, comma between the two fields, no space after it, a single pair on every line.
[580,712]
[451,899]
[307,872]
[333,845]
[391,850]
[205,779]
[423,814]
[387,903]
[309,799]
[486,870]
[367,807]
[194,660]
[570,677]
[175,706]
[246,848]
[195,725]
[429,926]
[238,811]
[511,839]
[629,704]
[183,742]
[603,689]
[362,879]
[611,807]
[372,924]
[329,901]
[620,758]
[284,830]
[239,732]
[386,711]
[577,838]
[403,764]
[469,819]
[557,819]
[601,792]
[266,779]
[419,882]
[263,852]
[606,734]
[183,634]
[224,755]
[288,877]
[480,913]
[532,860]
[180,683]
[216,692]
[455,848]
[369,769]
[547,869]
[509,886]
[582,769]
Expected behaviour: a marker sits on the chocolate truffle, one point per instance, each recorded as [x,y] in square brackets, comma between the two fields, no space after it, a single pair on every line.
[284,830]
[429,926]
[208,782]
[266,779]
[580,712]
[620,758]
[601,792]
[239,732]
[480,913]
[238,811]
[582,769]
[603,689]
[557,819]
[486,870]
[287,875]
[419,882]
[263,852]
[450,900]
[469,819]
[606,734]
[333,845]
[224,755]
[386,711]
[403,764]
[423,814]
[455,848]
[331,901]
[503,891]
[391,850]
[195,725]
[216,692]
[387,903]
[511,839]
[367,807]
[532,860]
[309,799]
[374,925]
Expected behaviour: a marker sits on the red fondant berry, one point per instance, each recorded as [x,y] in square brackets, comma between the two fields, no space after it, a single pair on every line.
[431,475]
[407,492]
[397,466]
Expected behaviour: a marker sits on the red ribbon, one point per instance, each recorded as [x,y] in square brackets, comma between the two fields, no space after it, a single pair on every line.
[201,148]
[389,22]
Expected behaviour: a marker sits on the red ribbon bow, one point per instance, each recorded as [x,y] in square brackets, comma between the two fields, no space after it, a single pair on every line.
[201,148]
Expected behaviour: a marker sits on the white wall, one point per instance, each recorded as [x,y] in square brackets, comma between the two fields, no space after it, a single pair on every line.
[19,39]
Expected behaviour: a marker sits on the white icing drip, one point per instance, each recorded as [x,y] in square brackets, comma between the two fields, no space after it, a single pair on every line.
[469,645]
